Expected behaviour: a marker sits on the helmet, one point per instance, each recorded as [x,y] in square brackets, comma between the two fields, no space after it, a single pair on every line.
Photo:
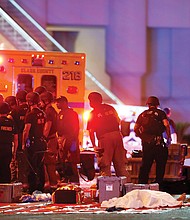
[4,108]
[32,98]
[46,96]
[40,89]
[11,100]
[95,96]
[153,100]
[21,95]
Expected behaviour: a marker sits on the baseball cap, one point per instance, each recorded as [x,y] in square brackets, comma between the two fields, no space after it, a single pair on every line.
[61,99]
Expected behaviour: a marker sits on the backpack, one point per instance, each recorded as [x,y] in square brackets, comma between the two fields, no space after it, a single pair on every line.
[151,123]
[87,165]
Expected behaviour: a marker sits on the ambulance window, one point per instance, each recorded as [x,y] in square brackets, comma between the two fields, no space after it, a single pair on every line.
[50,82]
[25,82]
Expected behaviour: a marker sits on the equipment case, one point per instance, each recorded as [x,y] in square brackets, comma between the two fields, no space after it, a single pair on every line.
[110,187]
[10,192]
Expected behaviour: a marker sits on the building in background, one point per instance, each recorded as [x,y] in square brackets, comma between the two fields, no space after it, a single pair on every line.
[134,48]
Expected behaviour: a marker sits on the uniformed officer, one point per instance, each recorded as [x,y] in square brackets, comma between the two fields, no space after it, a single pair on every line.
[33,142]
[50,130]
[40,89]
[13,114]
[8,140]
[153,146]
[104,123]
[22,109]
[68,142]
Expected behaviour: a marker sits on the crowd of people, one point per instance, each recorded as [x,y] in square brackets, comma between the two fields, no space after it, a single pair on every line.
[39,144]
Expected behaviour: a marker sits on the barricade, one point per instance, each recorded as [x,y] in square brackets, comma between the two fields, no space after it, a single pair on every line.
[174,166]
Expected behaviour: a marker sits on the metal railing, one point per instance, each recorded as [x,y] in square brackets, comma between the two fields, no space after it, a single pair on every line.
[16,29]
[62,49]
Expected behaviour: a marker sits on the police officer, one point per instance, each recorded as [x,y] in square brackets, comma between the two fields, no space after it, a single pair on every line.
[40,89]
[50,130]
[68,132]
[153,145]
[13,114]
[22,109]
[104,123]
[8,140]
[33,142]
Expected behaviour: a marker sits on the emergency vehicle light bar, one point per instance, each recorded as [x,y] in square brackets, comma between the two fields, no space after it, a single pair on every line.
[11,60]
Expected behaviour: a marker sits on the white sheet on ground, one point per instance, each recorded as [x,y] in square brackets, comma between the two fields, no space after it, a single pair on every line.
[142,199]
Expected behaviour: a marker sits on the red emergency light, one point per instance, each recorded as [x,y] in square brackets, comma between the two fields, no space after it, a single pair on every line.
[37,60]
[11,60]
[24,61]
[64,62]
[2,69]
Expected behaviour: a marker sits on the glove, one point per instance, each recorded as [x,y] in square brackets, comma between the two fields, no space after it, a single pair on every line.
[169,140]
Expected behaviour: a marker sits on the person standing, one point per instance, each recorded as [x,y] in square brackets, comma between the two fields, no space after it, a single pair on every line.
[68,140]
[50,130]
[22,109]
[104,122]
[33,143]
[172,126]
[8,143]
[40,89]
[13,114]
[150,126]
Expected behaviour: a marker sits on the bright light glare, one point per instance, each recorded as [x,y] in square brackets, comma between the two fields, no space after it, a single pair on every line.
[86,115]
[1,60]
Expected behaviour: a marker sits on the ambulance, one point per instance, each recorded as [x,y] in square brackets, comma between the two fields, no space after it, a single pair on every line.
[61,73]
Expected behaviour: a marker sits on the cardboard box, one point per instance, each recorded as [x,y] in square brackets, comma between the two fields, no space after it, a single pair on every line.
[89,195]
[10,192]
[110,187]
